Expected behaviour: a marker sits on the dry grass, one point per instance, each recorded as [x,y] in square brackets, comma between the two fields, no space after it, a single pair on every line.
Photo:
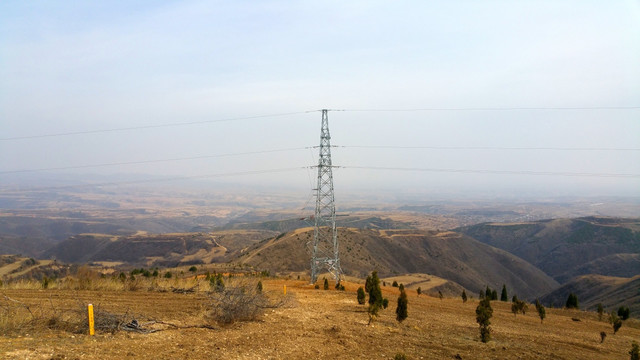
[322,324]
[111,283]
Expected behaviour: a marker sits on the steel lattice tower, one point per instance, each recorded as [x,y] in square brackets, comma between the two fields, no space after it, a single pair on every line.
[324,250]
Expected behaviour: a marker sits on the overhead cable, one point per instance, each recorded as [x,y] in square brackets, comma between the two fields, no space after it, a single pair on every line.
[151,126]
[499,172]
[149,161]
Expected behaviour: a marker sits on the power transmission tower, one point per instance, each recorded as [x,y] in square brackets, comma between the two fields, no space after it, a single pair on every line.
[324,250]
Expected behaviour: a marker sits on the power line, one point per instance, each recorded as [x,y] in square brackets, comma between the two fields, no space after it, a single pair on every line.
[485,148]
[496,109]
[280,170]
[150,161]
[199,157]
[189,123]
[148,181]
[84,132]
[499,172]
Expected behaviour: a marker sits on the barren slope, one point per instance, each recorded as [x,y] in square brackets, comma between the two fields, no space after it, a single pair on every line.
[612,292]
[155,250]
[566,247]
[449,255]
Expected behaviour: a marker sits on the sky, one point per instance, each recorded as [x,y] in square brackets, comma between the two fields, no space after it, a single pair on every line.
[244,78]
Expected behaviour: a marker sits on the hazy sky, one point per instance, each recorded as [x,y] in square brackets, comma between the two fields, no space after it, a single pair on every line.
[81,66]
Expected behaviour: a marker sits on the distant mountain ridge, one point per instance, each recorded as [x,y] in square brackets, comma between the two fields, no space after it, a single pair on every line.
[611,292]
[564,248]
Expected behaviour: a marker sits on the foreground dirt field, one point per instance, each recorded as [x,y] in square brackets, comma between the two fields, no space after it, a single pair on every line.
[317,324]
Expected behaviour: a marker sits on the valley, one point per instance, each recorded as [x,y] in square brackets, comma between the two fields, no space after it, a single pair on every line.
[467,244]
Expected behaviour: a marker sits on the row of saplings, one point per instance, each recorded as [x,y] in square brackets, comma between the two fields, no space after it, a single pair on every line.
[377,302]
[484,312]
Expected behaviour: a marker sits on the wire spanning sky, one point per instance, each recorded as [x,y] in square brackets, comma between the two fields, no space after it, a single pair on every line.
[495,90]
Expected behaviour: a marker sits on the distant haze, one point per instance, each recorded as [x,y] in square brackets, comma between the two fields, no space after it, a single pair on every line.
[483,81]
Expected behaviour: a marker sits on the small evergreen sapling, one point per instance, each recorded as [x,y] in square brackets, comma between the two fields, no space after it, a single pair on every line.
[484,312]
[634,353]
[401,310]
[615,322]
[361,296]
[375,296]
[542,313]
[519,306]
[572,301]
[464,296]
[600,310]
[326,284]
[503,295]
[623,312]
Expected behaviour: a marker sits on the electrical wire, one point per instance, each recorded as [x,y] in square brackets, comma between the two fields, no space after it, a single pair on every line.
[155,126]
[150,161]
[129,128]
[159,180]
[499,172]
[496,109]
[550,148]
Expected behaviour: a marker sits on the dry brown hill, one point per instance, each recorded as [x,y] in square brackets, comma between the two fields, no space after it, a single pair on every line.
[14,267]
[612,292]
[564,248]
[449,255]
[155,250]
[618,265]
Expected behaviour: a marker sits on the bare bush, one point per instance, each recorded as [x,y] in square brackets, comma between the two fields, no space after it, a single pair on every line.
[240,301]
[17,317]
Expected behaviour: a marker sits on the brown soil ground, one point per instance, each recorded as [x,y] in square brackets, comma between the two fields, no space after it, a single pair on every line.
[317,324]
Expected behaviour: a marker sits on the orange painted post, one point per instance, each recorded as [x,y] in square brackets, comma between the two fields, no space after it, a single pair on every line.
[91,323]
[285,289]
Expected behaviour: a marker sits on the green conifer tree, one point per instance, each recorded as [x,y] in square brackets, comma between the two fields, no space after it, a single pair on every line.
[503,295]
[634,353]
[375,296]
[542,313]
[572,301]
[401,310]
[484,312]
[361,296]
[600,310]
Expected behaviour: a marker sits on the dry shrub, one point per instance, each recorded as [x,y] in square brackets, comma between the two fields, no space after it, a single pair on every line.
[241,301]
[17,317]
[13,315]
